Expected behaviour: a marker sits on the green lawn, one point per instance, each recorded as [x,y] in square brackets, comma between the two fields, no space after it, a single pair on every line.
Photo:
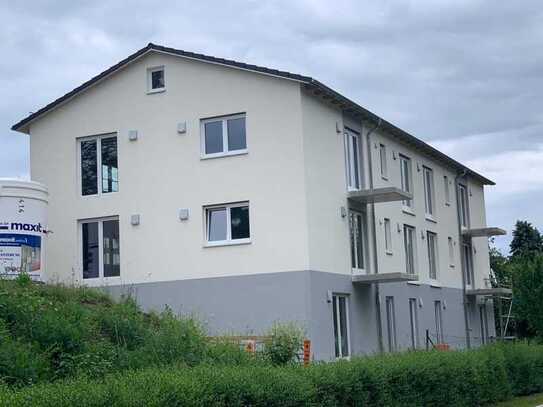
[529,401]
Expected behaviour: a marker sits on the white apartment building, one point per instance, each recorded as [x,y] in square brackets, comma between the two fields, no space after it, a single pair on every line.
[247,195]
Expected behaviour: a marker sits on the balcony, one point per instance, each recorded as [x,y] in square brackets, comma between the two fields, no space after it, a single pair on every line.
[483,232]
[383,278]
[493,291]
[379,195]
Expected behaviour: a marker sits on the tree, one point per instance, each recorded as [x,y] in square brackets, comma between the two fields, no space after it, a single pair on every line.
[527,240]
[499,264]
[527,275]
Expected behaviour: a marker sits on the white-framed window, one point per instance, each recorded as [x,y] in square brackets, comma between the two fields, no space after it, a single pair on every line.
[388,236]
[352,161]
[383,161]
[439,321]
[468,264]
[414,322]
[100,248]
[156,79]
[391,324]
[431,239]
[406,178]
[409,239]
[223,136]
[464,207]
[340,307]
[357,226]
[428,175]
[450,243]
[98,164]
[447,190]
[227,224]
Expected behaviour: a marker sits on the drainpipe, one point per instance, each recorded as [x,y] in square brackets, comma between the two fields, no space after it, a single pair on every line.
[462,256]
[374,234]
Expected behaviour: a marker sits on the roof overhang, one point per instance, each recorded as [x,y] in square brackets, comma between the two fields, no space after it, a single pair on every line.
[379,195]
[349,107]
[483,232]
[383,278]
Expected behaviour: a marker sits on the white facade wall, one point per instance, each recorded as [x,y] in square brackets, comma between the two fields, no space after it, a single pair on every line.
[327,193]
[162,171]
[293,177]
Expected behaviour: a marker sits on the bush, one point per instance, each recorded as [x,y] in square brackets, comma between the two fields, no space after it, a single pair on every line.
[284,344]
[457,378]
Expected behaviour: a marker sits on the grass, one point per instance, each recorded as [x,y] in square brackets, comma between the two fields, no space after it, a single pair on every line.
[528,401]
[49,332]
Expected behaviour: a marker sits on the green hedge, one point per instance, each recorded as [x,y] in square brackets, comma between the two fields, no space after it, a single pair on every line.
[463,378]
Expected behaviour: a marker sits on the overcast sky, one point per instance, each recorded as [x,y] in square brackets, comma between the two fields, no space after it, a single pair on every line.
[464,75]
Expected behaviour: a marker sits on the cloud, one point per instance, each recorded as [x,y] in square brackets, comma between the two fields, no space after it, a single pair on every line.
[466,75]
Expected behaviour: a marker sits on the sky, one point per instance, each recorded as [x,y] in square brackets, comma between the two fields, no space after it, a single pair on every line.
[463,75]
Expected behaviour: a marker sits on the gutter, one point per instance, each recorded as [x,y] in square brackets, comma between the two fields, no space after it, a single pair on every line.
[459,176]
[374,235]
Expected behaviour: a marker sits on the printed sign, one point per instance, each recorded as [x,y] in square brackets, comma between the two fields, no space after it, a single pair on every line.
[20,253]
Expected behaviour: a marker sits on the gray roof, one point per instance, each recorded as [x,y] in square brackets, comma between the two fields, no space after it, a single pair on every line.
[312,85]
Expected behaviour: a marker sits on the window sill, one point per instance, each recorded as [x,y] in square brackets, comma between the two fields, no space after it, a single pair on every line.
[220,155]
[430,218]
[227,243]
[160,90]
[101,194]
[435,284]
[408,210]
[414,282]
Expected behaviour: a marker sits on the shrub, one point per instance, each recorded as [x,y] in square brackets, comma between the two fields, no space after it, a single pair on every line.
[458,378]
[285,343]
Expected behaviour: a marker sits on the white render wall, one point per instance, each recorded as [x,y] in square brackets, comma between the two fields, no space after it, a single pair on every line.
[293,176]
[162,172]
[326,193]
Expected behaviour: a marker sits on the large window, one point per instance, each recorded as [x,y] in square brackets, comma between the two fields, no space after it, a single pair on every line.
[406,178]
[447,190]
[439,321]
[451,251]
[227,224]
[100,248]
[388,236]
[464,211]
[484,324]
[383,161]
[431,239]
[99,165]
[414,323]
[468,264]
[428,191]
[357,224]
[340,306]
[223,136]
[409,246]
[352,153]
[391,324]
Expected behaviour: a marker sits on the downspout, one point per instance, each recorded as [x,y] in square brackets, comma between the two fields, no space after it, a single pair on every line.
[462,256]
[374,235]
